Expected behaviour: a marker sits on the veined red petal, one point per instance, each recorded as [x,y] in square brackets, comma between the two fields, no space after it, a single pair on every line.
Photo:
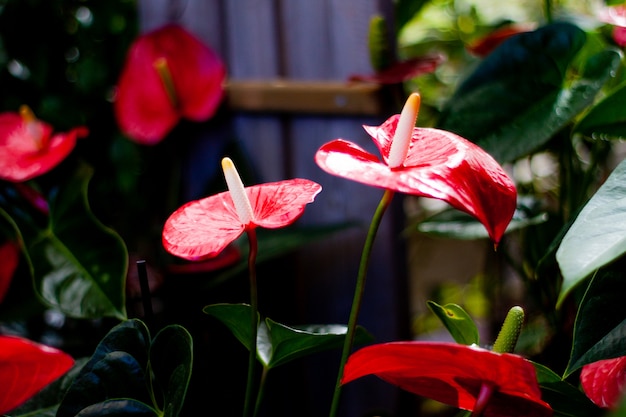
[604,381]
[439,165]
[453,374]
[143,109]
[23,155]
[10,256]
[203,228]
[27,367]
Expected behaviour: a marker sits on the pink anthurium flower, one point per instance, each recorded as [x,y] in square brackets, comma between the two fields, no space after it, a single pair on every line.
[616,16]
[604,381]
[430,163]
[483,46]
[203,228]
[26,368]
[467,377]
[10,256]
[169,74]
[28,147]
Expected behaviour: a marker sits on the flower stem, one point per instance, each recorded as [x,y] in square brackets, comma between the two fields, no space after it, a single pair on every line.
[262,385]
[486,391]
[254,319]
[358,294]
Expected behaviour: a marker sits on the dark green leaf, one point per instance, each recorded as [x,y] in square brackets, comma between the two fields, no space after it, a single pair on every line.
[515,101]
[457,321]
[236,317]
[118,408]
[288,343]
[171,358]
[600,328]
[565,399]
[607,117]
[598,235]
[116,369]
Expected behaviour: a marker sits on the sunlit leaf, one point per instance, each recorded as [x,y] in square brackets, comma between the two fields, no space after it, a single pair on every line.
[457,321]
[597,236]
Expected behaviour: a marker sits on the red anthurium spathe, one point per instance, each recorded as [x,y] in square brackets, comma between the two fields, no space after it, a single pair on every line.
[28,147]
[169,74]
[403,70]
[26,368]
[430,163]
[604,381]
[203,228]
[454,374]
[483,46]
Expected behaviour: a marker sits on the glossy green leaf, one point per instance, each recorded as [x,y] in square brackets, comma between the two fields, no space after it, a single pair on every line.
[234,316]
[78,265]
[607,117]
[565,399]
[515,101]
[460,325]
[171,359]
[282,344]
[598,234]
[118,408]
[600,328]
[276,343]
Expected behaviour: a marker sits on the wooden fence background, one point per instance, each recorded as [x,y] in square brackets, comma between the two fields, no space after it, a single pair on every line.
[311,40]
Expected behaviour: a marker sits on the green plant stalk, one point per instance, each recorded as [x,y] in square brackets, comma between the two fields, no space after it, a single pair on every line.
[254,309]
[261,392]
[358,294]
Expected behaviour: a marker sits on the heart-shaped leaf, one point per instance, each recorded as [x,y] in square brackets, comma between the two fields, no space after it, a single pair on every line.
[457,321]
[278,344]
[600,328]
[607,117]
[597,236]
[78,265]
[171,357]
[118,408]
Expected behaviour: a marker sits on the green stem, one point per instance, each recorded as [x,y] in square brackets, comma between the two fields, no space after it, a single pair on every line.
[358,294]
[262,385]
[254,319]
[548,10]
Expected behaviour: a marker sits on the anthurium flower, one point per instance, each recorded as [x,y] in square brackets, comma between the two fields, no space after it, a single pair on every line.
[616,16]
[203,228]
[466,377]
[10,255]
[483,46]
[28,147]
[26,368]
[169,74]
[430,163]
[403,70]
[604,381]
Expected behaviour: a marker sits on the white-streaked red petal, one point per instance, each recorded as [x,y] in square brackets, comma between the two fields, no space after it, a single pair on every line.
[604,381]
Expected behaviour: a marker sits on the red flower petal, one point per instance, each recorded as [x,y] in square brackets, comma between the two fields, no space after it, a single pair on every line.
[10,256]
[483,46]
[143,109]
[203,228]
[403,70]
[453,374]
[28,148]
[439,165]
[27,367]
[603,381]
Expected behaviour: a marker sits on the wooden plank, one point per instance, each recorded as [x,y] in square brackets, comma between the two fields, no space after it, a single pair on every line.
[305,97]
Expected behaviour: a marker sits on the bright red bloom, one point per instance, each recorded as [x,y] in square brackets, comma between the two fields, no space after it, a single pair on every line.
[403,70]
[10,256]
[28,148]
[616,16]
[483,46]
[438,164]
[27,367]
[169,74]
[604,381]
[203,228]
[454,374]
